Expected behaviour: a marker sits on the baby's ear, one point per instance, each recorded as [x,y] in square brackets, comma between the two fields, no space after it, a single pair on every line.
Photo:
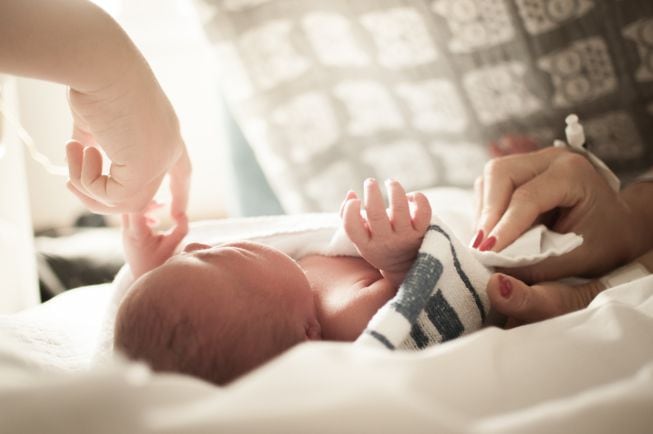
[313,330]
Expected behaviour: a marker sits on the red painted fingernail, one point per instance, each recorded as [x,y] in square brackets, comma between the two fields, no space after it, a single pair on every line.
[488,244]
[478,239]
[505,286]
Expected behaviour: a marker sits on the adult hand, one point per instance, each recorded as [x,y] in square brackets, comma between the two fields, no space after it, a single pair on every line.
[135,125]
[563,189]
[116,101]
[523,304]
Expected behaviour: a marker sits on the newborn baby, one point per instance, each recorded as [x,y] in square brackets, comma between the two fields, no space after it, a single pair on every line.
[216,312]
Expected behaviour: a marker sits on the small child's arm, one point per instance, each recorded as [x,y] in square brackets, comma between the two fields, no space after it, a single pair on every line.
[387,239]
[146,249]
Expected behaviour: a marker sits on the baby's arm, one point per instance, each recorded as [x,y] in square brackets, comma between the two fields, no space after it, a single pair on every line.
[387,239]
[144,248]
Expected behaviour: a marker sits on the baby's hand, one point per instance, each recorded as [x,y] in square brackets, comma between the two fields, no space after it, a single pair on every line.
[387,239]
[144,248]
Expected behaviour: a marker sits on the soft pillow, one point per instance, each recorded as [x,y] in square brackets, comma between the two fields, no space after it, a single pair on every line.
[329,92]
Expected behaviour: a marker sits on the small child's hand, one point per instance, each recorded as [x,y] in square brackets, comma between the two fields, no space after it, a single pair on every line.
[387,239]
[146,249]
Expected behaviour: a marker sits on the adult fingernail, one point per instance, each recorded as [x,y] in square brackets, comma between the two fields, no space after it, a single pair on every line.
[505,286]
[478,239]
[488,244]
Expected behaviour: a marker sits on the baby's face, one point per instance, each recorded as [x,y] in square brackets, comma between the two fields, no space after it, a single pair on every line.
[252,271]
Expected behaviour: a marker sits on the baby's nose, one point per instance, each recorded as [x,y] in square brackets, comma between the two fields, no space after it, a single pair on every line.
[191,247]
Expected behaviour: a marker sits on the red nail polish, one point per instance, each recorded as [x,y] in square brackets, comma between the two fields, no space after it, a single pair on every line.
[505,286]
[478,239]
[487,244]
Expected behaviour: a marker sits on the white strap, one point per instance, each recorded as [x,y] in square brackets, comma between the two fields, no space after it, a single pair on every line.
[575,143]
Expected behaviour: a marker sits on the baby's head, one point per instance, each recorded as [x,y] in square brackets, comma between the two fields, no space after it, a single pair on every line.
[217,312]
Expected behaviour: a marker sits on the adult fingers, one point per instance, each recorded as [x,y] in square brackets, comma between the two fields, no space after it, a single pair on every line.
[518,301]
[551,189]
[478,206]
[574,263]
[478,199]
[126,190]
[92,180]
[84,166]
[108,189]
[180,178]
[90,203]
[399,211]
[377,217]
[502,176]
[74,157]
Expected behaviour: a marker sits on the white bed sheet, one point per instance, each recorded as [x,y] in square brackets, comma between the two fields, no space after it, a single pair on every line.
[590,371]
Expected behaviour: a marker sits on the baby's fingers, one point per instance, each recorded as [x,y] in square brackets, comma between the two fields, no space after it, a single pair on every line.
[420,211]
[139,225]
[377,217]
[353,222]
[399,211]
[350,195]
[177,233]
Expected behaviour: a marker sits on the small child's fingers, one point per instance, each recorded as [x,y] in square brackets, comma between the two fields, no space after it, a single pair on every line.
[377,217]
[124,218]
[350,195]
[178,231]
[152,221]
[354,223]
[420,211]
[399,210]
[138,224]
[153,205]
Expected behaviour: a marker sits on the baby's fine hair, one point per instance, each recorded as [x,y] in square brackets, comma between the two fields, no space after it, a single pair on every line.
[172,338]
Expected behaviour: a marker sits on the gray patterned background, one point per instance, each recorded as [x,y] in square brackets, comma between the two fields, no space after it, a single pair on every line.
[329,92]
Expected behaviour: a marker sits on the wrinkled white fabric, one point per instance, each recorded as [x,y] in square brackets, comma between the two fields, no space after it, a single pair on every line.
[587,372]
[535,245]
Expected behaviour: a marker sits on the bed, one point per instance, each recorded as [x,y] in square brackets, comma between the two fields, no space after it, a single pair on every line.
[590,371]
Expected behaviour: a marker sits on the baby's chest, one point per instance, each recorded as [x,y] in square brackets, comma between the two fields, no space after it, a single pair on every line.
[325,272]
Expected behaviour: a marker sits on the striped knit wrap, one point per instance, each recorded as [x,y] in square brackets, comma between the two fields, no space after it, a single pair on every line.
[442,297]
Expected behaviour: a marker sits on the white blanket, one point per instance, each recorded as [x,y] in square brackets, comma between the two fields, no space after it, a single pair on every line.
[591,371]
